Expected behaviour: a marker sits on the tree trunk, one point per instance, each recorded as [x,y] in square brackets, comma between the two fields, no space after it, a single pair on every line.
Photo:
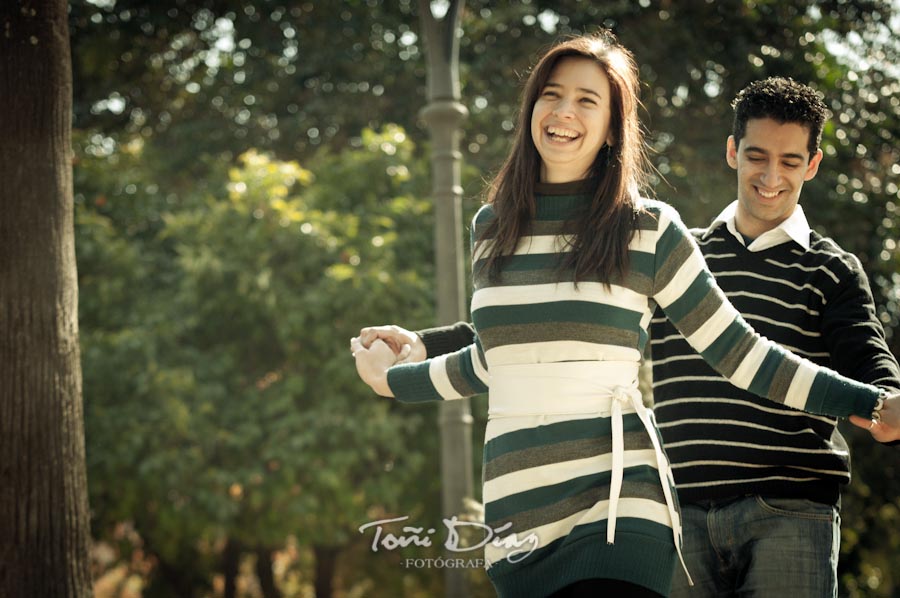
[264,573]
[326,559]
[231,567]
[173,580]
[44,518]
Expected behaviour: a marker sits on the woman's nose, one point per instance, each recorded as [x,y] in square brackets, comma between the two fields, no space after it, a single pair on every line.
[563,108]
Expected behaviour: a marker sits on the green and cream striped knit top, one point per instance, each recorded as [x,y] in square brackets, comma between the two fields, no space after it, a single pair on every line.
[530,317]
[550,473]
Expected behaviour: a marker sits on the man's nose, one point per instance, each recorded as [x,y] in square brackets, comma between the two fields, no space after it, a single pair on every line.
[772,175]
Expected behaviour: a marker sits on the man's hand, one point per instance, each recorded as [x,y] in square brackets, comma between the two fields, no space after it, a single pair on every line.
[407,345]
[372,364]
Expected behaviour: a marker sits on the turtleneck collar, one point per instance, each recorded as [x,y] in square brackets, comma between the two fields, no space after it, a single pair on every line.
[581,187]
[562,201]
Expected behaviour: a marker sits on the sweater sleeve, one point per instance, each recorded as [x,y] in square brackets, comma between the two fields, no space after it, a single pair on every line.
[688,294]
[446,339]
[854,335]
[456,375]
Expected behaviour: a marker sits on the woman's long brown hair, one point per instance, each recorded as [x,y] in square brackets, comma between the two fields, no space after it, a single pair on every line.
[600,244]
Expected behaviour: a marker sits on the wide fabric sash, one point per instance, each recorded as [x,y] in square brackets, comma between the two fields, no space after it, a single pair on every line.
[600,388]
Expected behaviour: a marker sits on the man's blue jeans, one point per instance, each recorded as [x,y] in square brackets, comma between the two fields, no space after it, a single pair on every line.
[759,547]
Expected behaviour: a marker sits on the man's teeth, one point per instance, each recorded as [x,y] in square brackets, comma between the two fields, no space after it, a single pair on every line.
[766,194]
[562,133]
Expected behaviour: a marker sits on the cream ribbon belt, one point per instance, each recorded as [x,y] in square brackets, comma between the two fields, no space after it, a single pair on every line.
[578,388]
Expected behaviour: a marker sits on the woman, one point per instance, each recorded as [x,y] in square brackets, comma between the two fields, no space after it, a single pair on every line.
[569,263]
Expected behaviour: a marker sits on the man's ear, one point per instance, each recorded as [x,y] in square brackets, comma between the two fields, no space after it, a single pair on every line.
[813,167]
[731,152]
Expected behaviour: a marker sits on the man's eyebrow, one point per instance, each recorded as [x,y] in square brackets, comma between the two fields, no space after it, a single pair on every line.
[582,89]
[759,150]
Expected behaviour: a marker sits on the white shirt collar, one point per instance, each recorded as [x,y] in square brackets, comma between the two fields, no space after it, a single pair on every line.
[795,228]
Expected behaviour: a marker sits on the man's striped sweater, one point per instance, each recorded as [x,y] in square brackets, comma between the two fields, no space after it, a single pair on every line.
[547,472]
[725,442]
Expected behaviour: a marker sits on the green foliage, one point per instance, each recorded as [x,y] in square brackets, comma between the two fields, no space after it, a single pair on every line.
[221,399]
[269,76]
[220,280]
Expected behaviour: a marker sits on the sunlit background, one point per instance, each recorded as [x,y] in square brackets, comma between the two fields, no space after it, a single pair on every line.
[252,187]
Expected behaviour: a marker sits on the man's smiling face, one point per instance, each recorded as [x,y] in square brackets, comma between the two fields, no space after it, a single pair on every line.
[772,163]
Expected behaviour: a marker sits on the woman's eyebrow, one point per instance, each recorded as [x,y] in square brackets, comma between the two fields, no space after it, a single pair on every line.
[581,89]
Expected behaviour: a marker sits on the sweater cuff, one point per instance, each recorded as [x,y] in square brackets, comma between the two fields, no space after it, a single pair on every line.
[841,397]
[445,339]
[411,383]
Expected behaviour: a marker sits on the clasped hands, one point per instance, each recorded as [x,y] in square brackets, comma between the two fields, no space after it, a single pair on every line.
[377,348]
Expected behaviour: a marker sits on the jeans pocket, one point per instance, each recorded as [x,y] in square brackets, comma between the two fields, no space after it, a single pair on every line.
[799,508]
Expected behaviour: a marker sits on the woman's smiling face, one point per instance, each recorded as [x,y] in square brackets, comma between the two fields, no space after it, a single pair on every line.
[570,121]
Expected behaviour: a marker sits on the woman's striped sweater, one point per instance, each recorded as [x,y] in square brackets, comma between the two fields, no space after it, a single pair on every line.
[548,475]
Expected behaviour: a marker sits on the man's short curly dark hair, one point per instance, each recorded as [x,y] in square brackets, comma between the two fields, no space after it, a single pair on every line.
[783,100]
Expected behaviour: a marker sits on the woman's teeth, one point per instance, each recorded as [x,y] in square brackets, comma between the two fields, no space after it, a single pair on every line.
[561,134]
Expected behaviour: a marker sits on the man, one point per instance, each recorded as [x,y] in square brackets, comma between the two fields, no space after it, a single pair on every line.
[759,483]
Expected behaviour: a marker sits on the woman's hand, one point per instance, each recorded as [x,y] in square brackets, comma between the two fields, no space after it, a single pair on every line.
[372,364]
[407,345]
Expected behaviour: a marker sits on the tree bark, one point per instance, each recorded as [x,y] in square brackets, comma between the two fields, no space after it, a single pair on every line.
[44,517]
